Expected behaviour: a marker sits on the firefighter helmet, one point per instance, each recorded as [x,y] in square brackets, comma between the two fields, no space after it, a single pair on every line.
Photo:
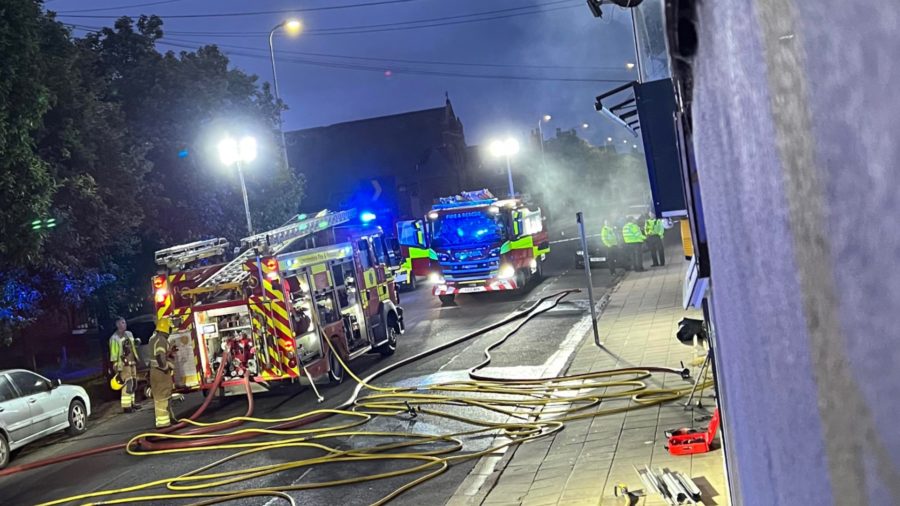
[116,383]
[164,325]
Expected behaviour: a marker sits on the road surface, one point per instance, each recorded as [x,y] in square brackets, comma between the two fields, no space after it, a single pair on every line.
[428,325]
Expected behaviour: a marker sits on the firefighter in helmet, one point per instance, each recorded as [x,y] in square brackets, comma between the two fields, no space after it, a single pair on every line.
[124,357]
[161,371]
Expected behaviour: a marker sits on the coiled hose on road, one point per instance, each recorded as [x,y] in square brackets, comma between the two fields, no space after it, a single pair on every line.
[533,408]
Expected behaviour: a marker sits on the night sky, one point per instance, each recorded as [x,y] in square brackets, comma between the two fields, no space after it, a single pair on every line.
[530,39]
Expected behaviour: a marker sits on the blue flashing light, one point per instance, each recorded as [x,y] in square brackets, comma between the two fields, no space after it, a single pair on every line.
[367,216]
[469,203]
[183,153]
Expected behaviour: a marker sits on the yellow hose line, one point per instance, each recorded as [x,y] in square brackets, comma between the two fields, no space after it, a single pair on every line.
[533,408]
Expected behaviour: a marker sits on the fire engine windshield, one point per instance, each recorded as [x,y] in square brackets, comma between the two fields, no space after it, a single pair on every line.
[467,228]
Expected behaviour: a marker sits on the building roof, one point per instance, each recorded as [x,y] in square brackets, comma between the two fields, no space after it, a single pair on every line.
[384,146]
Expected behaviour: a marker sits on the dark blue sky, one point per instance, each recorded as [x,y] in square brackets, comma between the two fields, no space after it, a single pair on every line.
[545,38]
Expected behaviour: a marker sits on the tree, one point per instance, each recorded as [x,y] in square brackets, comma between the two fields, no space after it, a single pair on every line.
[94,134]
[24,177]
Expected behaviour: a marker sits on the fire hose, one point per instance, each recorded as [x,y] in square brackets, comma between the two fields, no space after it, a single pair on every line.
[103,449]
[532,407]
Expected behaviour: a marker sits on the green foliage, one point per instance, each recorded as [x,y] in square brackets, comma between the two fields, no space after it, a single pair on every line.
[26,185]
[91,130]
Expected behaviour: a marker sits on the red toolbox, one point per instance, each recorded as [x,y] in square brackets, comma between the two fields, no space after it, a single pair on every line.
[688,441]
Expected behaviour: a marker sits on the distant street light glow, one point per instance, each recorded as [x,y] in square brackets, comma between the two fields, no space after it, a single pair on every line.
[629,65]
[506,148]
[585,126]
[293,27]
[609,139]
[248,149]
[547,118]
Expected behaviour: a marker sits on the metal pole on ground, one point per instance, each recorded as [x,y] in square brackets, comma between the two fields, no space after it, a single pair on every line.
[586,255]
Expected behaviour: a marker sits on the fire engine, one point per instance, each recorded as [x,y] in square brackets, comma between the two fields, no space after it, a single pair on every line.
[316,277]
[478,243]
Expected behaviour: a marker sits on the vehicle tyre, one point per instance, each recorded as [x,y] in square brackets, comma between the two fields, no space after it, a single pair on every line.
[411,285]
[4,451]
[522,279]
[539,272]
[447,300]
[387,349]
[77,418]
[335,369]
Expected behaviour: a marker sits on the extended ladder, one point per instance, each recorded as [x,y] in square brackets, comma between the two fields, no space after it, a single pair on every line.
[177,257]
[275,241]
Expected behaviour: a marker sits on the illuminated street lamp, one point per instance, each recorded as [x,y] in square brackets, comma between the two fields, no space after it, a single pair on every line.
[506,148]
[544,119]
[585,126]
[292,27]
[232,152]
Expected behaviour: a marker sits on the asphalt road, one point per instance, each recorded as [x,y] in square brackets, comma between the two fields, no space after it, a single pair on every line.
[540,346]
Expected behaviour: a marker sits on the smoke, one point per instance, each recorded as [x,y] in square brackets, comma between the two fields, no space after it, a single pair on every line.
[574,176]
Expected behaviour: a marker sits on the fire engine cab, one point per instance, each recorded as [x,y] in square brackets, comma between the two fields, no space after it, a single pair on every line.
[270,308]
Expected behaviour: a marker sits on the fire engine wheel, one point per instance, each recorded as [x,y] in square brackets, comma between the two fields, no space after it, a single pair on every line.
[387,349]
[447,299]
[522,279]
[335,369]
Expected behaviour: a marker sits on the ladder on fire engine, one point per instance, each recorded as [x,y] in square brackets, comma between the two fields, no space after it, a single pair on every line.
[274,242]
[177,257]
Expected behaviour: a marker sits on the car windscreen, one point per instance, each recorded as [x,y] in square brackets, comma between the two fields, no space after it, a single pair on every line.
[467,228]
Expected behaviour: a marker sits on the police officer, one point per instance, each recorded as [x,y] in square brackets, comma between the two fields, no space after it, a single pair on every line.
[654,230]
[634,244]
[123,355]
[611,241]
[161,371]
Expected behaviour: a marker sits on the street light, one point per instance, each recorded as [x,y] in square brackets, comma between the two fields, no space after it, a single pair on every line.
[609,139]
[629,65]
[585,126]
[292,27]
[544,119]
[506,148]
[232,152]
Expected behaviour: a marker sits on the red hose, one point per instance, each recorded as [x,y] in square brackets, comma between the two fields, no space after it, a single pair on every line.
[103,449]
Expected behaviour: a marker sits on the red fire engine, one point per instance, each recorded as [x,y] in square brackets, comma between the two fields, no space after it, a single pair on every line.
[320,276]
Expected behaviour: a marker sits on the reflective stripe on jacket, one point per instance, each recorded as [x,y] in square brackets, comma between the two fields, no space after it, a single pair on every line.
[608,236]
[115,347]
[631,233]
[158,344]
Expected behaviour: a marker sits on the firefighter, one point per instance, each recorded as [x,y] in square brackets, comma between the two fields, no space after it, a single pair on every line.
[654,230]
[123,355]
[634,244]
[611,241]
[161,371]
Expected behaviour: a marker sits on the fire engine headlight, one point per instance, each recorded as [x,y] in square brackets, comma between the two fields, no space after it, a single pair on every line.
[507,272]
[443,257]
[435,278]
[495,252]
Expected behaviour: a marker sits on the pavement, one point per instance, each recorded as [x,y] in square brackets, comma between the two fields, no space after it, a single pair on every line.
[582,464]
[545,344]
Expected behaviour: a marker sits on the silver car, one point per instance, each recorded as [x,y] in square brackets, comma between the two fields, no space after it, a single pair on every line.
[31,407]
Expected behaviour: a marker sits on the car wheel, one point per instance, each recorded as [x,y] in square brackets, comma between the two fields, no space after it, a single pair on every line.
[335,369]
[447,300]
[387,349]
[4,451]
[77,418]
[521,279]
